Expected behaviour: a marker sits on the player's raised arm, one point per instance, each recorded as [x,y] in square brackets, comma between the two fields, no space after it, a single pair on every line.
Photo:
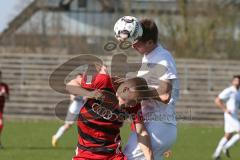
[165,91]
[162,92]
[73,88]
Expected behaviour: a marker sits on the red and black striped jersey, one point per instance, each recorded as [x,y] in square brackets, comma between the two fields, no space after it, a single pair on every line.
[99,122]
[96,132]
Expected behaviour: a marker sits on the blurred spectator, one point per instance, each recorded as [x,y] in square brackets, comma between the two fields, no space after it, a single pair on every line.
[4,95]
[229,101]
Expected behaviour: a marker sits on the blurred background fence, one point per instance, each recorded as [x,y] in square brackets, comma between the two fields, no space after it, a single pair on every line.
[189,28]
[31,95]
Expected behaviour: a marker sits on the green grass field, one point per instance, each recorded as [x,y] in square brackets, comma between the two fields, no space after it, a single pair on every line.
[30,140]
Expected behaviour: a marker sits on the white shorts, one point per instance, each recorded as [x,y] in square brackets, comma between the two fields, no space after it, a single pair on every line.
[73,111]
[231,123]
[163,136]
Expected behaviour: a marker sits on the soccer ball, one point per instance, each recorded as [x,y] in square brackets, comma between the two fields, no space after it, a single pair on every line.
[128,28]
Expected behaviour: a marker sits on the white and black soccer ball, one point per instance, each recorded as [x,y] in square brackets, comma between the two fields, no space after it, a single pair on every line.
[128,28]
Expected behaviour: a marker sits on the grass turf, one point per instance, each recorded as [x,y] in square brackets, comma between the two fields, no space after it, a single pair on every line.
[31,140]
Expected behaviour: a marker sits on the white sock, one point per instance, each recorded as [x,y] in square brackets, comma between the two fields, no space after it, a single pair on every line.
[221,143]
[232,141]
[60,132]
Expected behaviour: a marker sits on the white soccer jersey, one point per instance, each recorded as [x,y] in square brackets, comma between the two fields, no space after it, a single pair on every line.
[159,65]
[231,96]
[160,119]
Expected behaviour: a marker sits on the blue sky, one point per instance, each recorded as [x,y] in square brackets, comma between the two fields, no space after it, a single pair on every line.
[7,10]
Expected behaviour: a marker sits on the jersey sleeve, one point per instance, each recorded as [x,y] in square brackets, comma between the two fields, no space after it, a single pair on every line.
[102,81]
[225,94]
[84,83]
[170,69]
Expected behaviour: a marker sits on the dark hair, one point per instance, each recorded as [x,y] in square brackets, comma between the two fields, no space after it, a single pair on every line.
[80,74]
[150,30]
[236,76]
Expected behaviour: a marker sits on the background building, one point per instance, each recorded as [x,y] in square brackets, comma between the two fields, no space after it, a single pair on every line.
[47,33]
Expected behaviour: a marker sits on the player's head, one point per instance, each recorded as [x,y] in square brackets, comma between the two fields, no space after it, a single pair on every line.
[149,39]
[143,34]
[79,77]
[236,81]
[132,91]
[150,31]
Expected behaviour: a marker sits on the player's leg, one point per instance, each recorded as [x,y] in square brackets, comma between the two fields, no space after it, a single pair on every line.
[229,130]
[232,141]
[132,149]
[221,144]
[1,128]
[72,115]
[234,127]
[161,141]
[60,132]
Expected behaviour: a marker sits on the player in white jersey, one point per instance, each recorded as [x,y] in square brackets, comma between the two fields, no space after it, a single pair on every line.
[229,102]
[73,111]
[159,70]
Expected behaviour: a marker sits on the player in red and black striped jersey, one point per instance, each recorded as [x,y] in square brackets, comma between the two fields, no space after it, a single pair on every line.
[4,95]
[100,120]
